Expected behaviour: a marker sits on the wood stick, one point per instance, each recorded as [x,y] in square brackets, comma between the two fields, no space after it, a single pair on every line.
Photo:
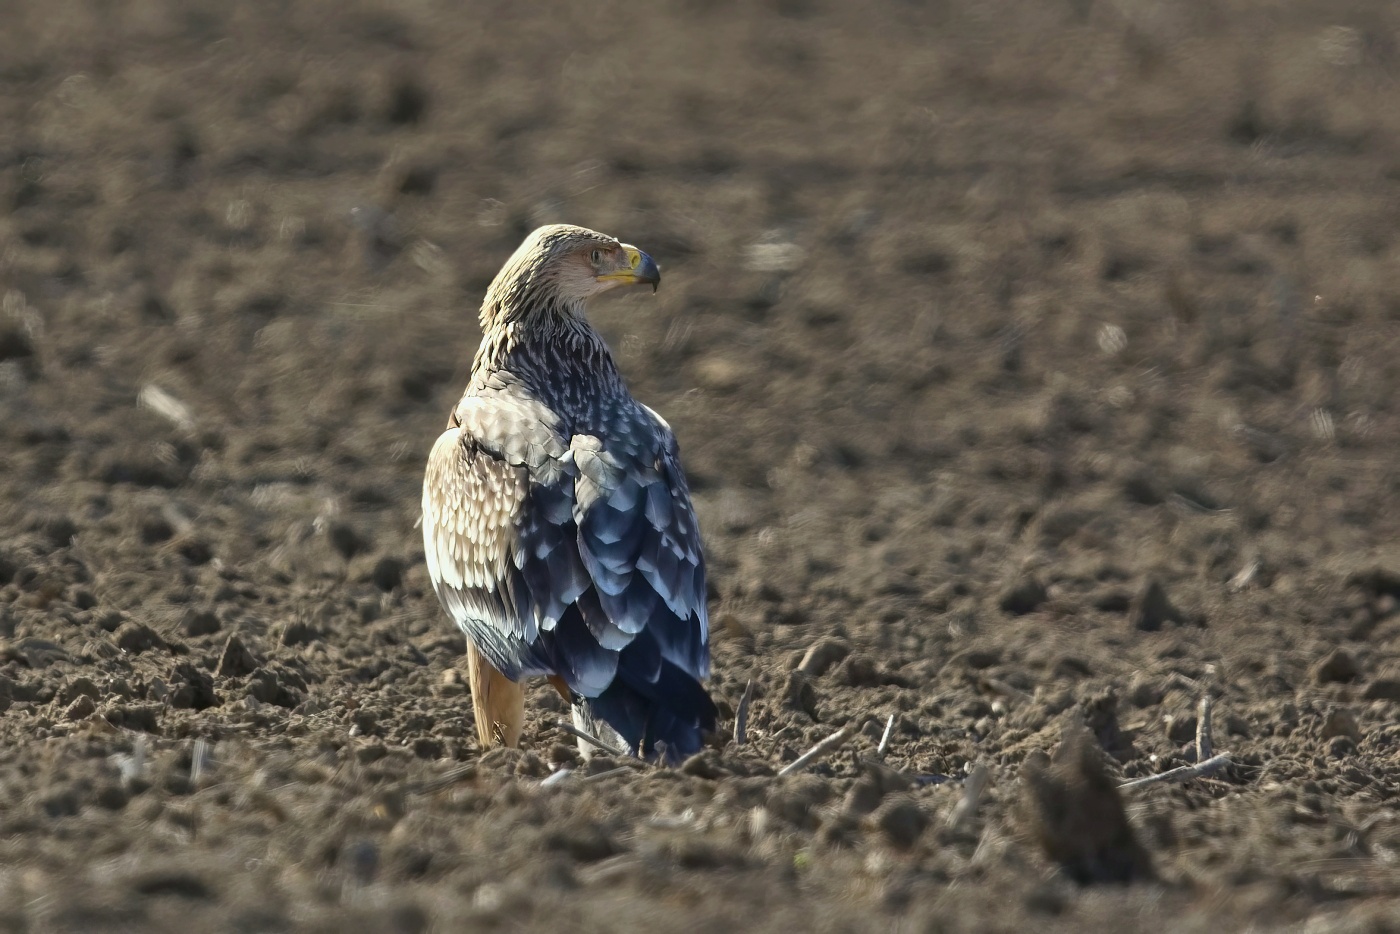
[587,737]
[1203,733]
[620,770]
[199,760]
[446,780]
[820,751]
[741,716]
[1184,774]
[885,738]
[555,777]
[973,786]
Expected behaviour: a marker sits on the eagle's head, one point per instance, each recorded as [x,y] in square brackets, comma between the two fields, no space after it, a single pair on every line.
[558,268]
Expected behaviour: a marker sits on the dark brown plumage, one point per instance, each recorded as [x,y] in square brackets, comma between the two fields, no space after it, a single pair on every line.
[557,523]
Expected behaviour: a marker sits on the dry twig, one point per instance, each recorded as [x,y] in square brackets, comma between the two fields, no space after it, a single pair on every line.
[885,738]
[610,773]
[446,780]
[741,716]
[966,808]
[588,737]
[1186,773]
[199,761]
[821,750]
[556,777]
[1203,735]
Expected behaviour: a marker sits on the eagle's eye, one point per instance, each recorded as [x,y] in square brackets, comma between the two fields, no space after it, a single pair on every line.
[597,257]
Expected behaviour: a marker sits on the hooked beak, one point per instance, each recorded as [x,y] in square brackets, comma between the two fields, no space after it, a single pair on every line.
[641,268]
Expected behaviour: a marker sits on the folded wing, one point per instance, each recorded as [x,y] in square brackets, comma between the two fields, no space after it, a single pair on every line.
[578,558]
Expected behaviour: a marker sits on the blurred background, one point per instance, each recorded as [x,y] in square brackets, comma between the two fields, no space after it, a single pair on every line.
[1034,356]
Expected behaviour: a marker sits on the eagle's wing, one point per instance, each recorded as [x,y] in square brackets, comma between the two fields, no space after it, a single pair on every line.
[556,557]
[639,539]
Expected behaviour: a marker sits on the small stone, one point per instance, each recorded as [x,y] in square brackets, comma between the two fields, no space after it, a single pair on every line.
[1023,596]
[1338,667]
[1152,608]
[1382,689]
[823,654]
[901,821]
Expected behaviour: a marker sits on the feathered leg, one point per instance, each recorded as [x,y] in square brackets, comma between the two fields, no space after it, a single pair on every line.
[498,702]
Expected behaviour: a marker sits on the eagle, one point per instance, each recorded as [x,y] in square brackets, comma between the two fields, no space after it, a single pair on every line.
[557,523]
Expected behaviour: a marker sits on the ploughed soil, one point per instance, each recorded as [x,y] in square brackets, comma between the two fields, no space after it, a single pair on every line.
[1035,365]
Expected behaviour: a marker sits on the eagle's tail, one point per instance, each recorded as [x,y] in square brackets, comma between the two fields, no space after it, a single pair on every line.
[667,717]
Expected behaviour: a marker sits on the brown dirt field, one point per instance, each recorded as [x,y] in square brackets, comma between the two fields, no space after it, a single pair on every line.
[981,323]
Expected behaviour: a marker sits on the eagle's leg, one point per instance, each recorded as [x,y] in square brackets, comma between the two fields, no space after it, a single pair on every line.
[498,702]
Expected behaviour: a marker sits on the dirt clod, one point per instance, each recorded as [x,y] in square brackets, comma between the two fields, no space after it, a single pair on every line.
[1073,812]
[1022,596]
[1152,608]
[1382,689]
[235,660]
[1338,667]
[901,821]
[822,656]
[138,637]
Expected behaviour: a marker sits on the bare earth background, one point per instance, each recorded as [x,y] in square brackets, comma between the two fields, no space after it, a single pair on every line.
[978,319]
